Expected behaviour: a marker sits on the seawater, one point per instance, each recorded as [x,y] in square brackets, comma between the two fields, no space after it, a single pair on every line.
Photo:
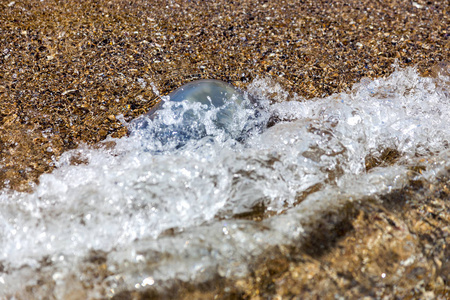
[159,212]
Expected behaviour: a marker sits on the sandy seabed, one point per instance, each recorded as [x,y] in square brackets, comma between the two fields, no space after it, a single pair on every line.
[68,68]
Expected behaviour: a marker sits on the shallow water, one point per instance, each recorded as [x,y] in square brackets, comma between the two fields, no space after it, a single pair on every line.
[156,211]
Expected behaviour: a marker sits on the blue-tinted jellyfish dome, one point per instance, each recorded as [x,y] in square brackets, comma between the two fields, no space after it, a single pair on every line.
[209,92]
[198,109]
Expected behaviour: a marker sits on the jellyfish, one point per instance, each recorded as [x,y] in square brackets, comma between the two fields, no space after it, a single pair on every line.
[199,109]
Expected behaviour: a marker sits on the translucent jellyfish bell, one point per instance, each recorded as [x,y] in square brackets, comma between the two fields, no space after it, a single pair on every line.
[209,92]
[195,110]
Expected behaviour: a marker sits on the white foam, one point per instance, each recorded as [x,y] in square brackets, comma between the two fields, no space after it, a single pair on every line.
[123,199]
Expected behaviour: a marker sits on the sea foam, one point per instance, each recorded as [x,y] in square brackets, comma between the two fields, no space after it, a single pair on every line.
[158,212]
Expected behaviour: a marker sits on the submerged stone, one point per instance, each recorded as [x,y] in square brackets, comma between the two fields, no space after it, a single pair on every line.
[195,110]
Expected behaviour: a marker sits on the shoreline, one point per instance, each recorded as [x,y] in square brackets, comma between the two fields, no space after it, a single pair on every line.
[67,70]
[67,73]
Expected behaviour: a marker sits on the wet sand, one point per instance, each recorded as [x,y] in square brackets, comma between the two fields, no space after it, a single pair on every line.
[68,69]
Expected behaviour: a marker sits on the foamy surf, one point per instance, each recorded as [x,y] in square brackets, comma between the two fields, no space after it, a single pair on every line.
[157,212]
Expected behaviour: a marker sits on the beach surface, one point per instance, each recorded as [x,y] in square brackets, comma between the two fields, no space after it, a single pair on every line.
[71,72]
